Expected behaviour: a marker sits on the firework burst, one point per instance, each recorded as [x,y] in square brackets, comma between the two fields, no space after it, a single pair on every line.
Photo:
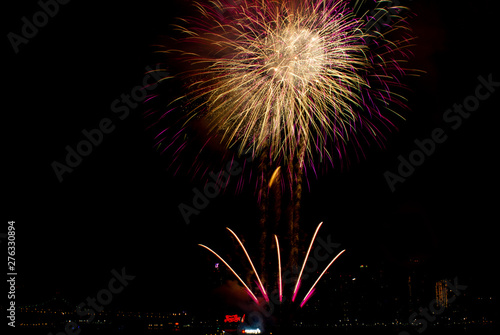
[297,80]
[286,76]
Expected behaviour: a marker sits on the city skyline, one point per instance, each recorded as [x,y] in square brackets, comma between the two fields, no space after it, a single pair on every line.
[362,297]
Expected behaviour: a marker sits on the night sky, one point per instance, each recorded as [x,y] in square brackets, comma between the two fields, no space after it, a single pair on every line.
[119,207]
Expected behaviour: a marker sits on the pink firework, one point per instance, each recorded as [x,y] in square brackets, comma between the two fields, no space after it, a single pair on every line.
[292,82]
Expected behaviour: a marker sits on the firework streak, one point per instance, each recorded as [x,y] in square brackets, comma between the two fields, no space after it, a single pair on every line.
[234,272]
[280,283]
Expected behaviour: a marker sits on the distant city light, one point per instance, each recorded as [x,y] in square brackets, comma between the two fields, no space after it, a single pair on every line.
[232,318]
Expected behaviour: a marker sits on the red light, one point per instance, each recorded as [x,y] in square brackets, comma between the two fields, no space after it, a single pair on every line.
[232,318]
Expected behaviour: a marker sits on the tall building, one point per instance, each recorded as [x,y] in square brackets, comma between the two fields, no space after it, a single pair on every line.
[442,293]
[419,287]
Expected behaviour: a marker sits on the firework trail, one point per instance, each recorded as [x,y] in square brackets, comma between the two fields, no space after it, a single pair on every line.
[295,290]
[261,287]
[309,293]
[279,270]
[234,272]
[280,282]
